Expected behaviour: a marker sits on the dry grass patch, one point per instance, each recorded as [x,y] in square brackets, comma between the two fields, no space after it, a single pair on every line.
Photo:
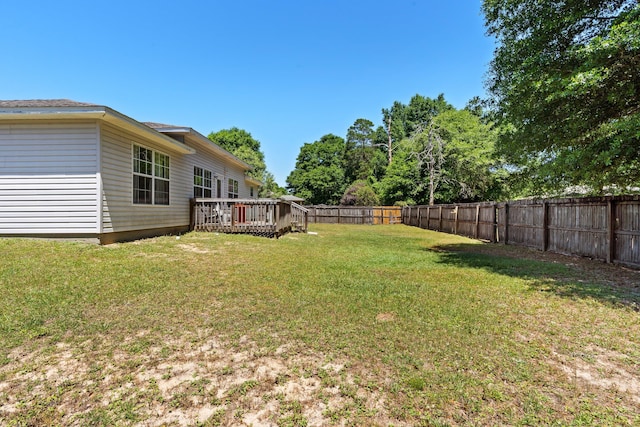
[188,381]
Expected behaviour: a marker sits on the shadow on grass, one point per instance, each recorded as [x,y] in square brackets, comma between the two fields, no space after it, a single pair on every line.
[564,276]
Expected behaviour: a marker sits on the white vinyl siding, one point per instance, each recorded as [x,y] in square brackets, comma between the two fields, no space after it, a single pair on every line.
[68,177]
[221,171]
[119,212]
[48,178]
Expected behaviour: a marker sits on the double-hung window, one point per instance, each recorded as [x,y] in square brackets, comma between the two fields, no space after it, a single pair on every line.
[233,189]
[150,177]
[202,183]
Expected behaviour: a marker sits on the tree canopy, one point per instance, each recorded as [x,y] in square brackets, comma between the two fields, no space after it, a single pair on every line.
[563,115]
[319,174]
[449,159]
[241,144]
[362,155]
[360,193]
[565,82]
[466,165]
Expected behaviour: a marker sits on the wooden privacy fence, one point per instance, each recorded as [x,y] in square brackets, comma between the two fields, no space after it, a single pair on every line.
[602,228]
[355,214]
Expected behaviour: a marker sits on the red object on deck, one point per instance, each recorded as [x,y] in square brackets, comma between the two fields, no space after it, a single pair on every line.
[241,213]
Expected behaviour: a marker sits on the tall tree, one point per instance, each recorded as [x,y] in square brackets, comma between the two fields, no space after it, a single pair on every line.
[422,109]
[451,159]
[395,121]
[402,121]
[566,83]
[402,182]
[319,176]
[358,150]
[429,151]
[363,158]
[472,171]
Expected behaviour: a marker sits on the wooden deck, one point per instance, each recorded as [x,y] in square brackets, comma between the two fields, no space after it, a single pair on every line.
[261,217]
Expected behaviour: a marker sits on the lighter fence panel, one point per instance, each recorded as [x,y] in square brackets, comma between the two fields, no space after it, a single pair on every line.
[579,229]
[466,220]
[525,224]
[368,215]
[627,242]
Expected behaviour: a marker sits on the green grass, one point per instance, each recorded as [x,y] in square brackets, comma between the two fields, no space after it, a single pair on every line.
[438,329]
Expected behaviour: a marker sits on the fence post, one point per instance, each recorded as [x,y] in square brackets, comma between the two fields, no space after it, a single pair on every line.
[419,218]
[611,211]
[455,220]
[506,223]
[428,216]
[495,223]
[440,219]
[545,226]
[477,220]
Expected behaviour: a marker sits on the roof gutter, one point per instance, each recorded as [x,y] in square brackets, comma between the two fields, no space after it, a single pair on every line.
[252,180]
[192,133]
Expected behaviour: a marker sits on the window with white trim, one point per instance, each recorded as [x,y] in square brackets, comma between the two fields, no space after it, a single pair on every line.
[150,177]
[202,183]
[233,189]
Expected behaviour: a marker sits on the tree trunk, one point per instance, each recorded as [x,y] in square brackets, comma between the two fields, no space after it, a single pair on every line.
[431,187]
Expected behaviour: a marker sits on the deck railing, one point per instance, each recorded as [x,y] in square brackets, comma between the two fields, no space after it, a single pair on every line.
[263,217]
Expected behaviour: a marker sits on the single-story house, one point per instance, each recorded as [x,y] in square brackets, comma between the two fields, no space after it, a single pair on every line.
[76,170]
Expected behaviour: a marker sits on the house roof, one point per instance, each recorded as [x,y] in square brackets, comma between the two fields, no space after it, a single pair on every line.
[31,103]
[66,109]
[192,134]
[46,109]
[154,125]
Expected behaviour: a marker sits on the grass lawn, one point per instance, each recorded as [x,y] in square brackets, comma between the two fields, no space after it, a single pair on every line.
[357,325]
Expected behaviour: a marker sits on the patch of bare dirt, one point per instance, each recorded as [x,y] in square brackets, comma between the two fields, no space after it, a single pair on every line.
[190,247]
[386,317]
[601,368]
[199,380]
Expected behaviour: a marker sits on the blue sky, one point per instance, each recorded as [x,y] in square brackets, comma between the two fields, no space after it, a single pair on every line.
[286,71]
